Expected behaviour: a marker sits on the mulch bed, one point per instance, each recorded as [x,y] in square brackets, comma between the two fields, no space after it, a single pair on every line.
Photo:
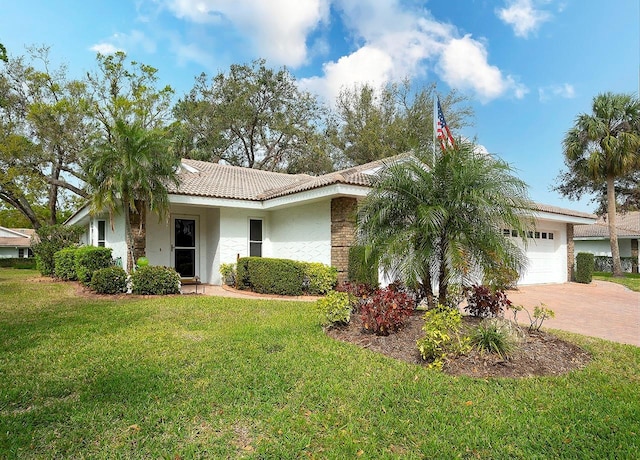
[541,354]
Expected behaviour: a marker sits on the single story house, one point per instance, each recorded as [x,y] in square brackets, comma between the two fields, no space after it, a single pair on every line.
[221,212]
[15,242]
[594,238]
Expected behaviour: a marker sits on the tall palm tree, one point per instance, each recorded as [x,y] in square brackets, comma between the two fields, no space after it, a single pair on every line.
[604,146]
[441,219]
[131,172]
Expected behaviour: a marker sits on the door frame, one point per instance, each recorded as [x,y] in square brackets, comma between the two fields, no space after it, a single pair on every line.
[196,219]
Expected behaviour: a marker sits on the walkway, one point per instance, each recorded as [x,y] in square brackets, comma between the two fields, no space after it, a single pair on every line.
[600,309]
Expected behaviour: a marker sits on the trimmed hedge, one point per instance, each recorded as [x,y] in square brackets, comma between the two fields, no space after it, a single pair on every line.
[155,280]
[285,277]
[361,270]
[65,264]
[110,280]
[28,263]
[584,267]
[90,259]
[51,239]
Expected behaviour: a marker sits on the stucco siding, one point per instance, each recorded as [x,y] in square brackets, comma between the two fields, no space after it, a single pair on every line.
[234,233]
[302,233]
[603,247]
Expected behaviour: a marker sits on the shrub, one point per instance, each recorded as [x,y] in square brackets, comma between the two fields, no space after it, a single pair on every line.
[50,239]
[228,272]
[443,336]
[386,311]
[483,302]
[89,259]
[358,293]
[319,278]
[584,267]
[540,313]
[270,276]
[18,262]
[501,278]
[110,280]
[496,335]
[65,264]
[334,308]
[155,280]
[362,269]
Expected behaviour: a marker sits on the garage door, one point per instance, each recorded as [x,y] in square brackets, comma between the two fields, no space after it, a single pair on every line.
[547,262]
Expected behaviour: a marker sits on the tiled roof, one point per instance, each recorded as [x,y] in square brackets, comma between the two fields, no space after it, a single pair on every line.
[201,178]
[224,181]
[562,211]
[17,241]
[628,225]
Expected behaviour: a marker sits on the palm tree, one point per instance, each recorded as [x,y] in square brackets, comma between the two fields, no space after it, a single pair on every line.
[442,219]
[604,146]
[131,172]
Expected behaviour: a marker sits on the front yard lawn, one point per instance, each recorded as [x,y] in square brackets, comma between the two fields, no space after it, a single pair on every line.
[203,377]
[630,280]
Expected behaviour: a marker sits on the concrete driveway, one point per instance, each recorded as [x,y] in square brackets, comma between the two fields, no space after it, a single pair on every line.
[600,309]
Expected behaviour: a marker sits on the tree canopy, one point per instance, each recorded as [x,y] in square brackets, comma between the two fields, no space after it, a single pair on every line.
[45,126]
[374,123]
[603,149]
[253,116]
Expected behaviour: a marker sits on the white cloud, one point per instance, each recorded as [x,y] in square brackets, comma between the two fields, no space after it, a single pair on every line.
[464,65]
[367,65]
[105,48]
[277,28]
[523,16]
[565,91]
[122,42]
[390,40]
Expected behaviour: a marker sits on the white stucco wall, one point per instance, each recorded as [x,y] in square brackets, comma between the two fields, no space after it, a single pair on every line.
[6,253]
[234,233]
[302,232]
[114,238]
[603,247]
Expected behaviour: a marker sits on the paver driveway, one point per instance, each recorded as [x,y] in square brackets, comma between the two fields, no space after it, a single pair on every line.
[600,309]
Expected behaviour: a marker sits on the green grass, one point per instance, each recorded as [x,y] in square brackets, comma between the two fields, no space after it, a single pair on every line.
[630,280]
[202,377]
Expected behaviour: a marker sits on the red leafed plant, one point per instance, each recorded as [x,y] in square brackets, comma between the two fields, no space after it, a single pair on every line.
[386,311]
[484,302]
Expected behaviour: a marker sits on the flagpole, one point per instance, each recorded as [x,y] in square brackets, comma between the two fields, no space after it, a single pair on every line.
[435,117]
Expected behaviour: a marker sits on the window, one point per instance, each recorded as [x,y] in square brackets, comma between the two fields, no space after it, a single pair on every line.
[20,252]
[255,237]
[537,235]
[514,233]
[544,235]
[506,232]
[530,234]
[102,230]
[550,236]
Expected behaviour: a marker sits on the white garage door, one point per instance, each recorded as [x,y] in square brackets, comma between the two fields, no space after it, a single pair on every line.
[547,259]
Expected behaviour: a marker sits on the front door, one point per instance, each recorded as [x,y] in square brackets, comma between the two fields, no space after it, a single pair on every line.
[184,246]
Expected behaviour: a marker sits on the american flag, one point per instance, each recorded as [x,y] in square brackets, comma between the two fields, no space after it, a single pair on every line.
[443,132]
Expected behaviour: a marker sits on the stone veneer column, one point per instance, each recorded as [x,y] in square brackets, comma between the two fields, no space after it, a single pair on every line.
[343,233]
[570,252]
[634,256]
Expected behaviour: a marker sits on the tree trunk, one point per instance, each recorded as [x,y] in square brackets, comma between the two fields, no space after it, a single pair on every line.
[613,231]
[128,232]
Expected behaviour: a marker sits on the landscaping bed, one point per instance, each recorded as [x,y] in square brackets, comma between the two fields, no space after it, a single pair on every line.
[541,353]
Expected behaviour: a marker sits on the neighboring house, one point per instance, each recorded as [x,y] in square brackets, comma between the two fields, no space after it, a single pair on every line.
[220,212]
[15,242]
[594,238]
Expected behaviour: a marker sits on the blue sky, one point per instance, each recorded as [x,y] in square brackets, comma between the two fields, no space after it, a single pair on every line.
[529,66]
